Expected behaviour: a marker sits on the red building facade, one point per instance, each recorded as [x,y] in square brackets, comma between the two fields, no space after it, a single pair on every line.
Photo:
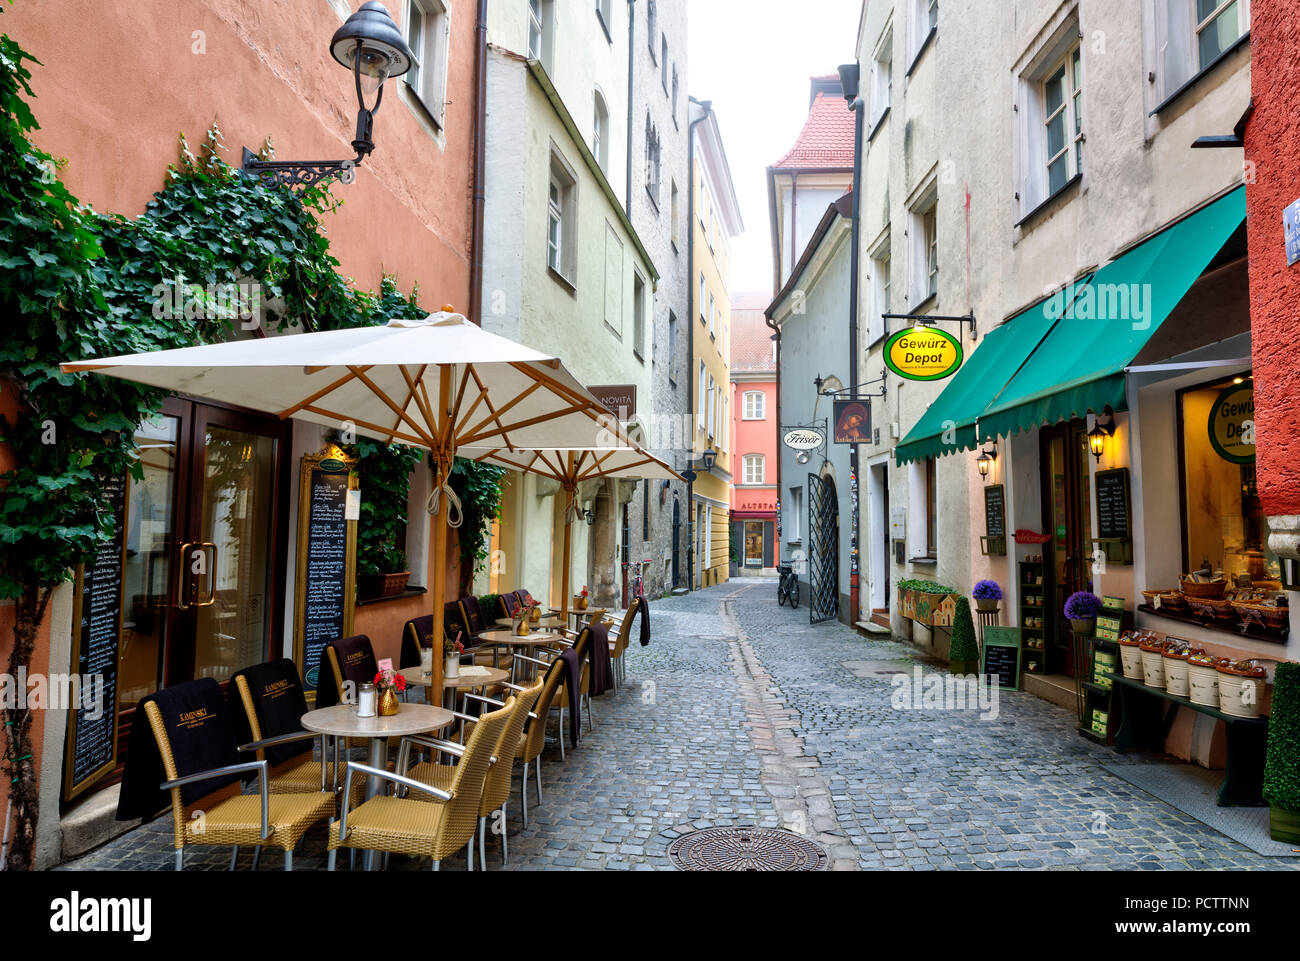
[754,490]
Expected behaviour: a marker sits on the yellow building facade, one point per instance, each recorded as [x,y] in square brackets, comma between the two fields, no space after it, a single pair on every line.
[715,222]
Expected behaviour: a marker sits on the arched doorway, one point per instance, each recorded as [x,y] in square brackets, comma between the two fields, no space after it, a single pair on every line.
[823,549]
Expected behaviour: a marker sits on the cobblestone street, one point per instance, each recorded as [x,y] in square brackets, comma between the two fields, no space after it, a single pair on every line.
[740,713]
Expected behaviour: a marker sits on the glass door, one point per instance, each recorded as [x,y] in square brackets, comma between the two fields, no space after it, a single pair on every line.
[1068,521]
[205,549]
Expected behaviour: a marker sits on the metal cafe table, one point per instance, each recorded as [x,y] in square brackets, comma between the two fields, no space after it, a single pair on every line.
[341,721]
[450,685]
[530,640]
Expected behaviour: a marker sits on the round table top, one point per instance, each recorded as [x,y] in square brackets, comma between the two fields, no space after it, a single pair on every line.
[545,622]
[341,721]
[463,682]
[534,639]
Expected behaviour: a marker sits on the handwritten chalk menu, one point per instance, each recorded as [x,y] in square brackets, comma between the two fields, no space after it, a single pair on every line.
[1113,504]
[91,749]
[1002,656]
[326,569]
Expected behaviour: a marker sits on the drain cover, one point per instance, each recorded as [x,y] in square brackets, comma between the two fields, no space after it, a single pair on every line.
[746,849]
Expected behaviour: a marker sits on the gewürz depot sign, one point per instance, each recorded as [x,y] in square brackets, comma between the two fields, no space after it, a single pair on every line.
[803,438]
[923,353]
[1232,424]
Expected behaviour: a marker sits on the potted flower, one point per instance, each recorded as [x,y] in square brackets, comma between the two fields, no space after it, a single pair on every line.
[1282,763]
[534,612]
[580,600]
[389,684]
[1082,608]
[382,573]
[987,594]
[452,651]
[963,652]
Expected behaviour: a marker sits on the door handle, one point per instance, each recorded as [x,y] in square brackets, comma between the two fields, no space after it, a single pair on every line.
[182,574]
[212,573]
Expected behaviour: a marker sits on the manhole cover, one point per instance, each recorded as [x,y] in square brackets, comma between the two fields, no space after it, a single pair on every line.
[746,849]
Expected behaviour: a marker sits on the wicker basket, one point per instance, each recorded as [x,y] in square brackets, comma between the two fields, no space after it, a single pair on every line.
[1212,607]
[1169,600]
[1267,616]
[1194,589]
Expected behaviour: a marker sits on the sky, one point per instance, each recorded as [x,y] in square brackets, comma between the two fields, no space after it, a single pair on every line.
[753,59]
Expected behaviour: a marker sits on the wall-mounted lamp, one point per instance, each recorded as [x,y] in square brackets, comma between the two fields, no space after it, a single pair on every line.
[591,518]
[1097,441]
[986,460]
[803,457]
[370,45]
[709,459]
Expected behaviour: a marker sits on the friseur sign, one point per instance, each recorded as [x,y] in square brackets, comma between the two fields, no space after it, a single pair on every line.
[803,438]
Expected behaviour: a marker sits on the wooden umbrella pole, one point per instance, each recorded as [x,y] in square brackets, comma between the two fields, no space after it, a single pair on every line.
[564,578]
[443,455]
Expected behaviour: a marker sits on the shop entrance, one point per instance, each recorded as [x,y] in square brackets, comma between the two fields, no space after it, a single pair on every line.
[823,550]
[1067,520]
[205,549]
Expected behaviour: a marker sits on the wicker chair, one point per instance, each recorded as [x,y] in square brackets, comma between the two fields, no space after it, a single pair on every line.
[533,740]
[496,788]
[407,825]
[618,646]
[227,816]
[582,644]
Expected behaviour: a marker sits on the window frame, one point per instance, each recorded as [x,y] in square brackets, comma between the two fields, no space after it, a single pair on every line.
[600,129]
[541,28]
[1070,111]
[882,66]
[748,462]
[1178,28]
[672,349]
[435,31]
[606,17]
[639,288]
[562,177]
[754,405]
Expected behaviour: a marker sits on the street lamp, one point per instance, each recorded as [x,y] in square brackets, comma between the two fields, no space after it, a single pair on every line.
[1097,441]
[985,462]
[370,45]
[708,459]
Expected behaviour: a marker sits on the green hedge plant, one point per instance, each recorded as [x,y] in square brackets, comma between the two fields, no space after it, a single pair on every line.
[1282,767]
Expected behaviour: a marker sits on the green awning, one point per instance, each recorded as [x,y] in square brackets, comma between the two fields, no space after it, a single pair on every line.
[1080,364]
[948,424]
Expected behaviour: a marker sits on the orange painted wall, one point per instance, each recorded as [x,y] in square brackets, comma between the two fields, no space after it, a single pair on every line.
[120,81]
[383,622]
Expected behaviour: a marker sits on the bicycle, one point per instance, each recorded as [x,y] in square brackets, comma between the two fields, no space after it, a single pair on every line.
[787,587]
[638,579]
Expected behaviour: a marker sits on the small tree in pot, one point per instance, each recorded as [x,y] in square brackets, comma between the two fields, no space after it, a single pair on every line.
[963,652]
[1282,767]
[987,594]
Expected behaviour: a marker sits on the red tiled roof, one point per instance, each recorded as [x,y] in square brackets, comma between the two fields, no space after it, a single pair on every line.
[826,140]
[751,338]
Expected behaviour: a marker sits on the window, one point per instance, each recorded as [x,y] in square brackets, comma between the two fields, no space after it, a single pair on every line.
[1192,35]
[638,314]
[672,348]
[755,405]
[427,34]
[605,12]
[663,62]
[541,24]
[925,20]
[922,519]
[877,326]
[795,514]
[713,317]
[725,430]
[652,19]
[676,93]
[703,293]
[701,415]
[1225,526]
[561,219]
[882,77]
[1063,119]
[711,407]
[600,132]
[676,201]
[755,469]
[931,509]
[653,161]
[613,279]
[925,253]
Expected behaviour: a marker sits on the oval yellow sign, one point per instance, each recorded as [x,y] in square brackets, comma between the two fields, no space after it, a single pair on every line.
[1232,424]
[923,354]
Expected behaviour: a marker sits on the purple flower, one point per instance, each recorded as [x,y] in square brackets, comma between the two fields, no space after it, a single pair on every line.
[1082,606]
[987,591]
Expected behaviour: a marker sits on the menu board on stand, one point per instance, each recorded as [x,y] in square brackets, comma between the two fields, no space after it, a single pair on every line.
[91,745]
[329,504]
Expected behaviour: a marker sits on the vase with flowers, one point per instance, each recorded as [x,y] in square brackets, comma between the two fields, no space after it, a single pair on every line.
[987,594]
[390,684]
[580,600]
[452,652]
[1082,608]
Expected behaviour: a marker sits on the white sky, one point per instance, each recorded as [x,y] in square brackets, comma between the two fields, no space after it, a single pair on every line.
[753,58]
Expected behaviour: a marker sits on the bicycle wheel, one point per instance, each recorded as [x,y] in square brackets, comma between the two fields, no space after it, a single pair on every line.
[794,592]
[780,592]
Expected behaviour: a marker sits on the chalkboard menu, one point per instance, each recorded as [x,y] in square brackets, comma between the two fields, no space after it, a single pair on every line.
[1113,504]
[91,750]
[326,570]
[995,503]
[1002,656]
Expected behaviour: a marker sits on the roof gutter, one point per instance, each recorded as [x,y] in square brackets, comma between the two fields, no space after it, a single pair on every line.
[480,167]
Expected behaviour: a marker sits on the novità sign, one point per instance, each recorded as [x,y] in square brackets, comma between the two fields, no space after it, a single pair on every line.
[923,353]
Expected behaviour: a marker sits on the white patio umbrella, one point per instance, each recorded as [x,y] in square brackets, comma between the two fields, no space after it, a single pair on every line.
[440,383]
[572,467]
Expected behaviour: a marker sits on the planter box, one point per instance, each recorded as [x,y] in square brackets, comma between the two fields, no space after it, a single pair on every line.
[382,585]
[932,610]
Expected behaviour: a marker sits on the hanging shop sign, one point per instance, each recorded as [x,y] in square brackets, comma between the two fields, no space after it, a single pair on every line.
[1291,231]
[1232,424]
[619,399]
[925,353]
[853,422]
[803,438]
